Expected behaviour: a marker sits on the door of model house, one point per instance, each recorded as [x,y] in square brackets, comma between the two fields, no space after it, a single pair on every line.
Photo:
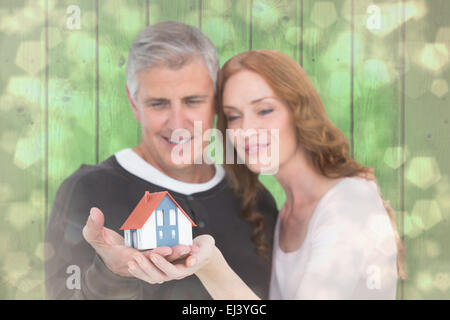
[166,223]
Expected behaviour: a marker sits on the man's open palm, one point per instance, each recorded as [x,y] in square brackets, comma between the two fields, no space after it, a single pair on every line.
[110,245]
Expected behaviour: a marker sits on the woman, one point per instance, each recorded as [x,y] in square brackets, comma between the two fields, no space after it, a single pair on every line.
[335,236]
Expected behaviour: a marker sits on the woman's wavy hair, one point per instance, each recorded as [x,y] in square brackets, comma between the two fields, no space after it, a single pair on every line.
[326,147]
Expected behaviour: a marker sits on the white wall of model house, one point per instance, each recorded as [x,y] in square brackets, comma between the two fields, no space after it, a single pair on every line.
[146,236]
[184,229]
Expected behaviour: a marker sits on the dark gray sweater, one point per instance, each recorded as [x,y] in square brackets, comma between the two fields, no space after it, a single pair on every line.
[116,192]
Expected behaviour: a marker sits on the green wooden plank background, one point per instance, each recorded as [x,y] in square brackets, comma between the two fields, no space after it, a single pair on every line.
[427,137]
[377,97]
[71,92]
[119,22]
[23,149]
[381,68]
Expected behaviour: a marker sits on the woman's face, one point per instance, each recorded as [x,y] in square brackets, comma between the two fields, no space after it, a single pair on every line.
[266,138]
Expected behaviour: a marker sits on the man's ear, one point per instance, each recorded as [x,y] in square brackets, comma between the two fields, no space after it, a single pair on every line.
[133,106]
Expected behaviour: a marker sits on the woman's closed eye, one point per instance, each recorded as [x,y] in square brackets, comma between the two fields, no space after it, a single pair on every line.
[232,118]
[261,113]
[265,111]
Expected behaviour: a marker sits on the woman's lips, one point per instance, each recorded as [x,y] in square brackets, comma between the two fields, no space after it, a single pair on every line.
[255,148]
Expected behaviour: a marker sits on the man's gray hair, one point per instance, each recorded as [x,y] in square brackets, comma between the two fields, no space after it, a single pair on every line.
[172,44]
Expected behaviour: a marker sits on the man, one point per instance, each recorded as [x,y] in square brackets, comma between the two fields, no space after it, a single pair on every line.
[171,80]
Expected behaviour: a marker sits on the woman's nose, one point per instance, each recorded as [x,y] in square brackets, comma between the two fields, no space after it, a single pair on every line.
[248,123]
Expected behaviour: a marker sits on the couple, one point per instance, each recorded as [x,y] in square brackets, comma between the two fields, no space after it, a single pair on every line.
[335,238]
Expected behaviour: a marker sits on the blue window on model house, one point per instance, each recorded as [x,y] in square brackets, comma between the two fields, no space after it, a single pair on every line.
[166,223]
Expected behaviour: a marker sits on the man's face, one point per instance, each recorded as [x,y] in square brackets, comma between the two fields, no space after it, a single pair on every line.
[169,100]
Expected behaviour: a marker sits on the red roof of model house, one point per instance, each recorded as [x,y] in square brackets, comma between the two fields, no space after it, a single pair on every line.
[145,208]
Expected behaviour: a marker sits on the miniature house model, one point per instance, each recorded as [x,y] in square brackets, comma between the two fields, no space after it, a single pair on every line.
[158,220]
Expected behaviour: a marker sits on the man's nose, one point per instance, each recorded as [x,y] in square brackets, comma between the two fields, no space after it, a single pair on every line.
[177,117]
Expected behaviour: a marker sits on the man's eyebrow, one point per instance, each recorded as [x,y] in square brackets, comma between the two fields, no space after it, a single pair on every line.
[153,100]
[197,96]
[149,100]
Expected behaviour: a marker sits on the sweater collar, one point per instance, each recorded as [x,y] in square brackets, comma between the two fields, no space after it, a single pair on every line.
[133,163]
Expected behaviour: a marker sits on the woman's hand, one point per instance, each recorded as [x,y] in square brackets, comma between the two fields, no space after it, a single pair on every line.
[159,269]
[205,260]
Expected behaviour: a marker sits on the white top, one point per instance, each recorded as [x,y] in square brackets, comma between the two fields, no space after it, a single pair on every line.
[349,251]
[133,163]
